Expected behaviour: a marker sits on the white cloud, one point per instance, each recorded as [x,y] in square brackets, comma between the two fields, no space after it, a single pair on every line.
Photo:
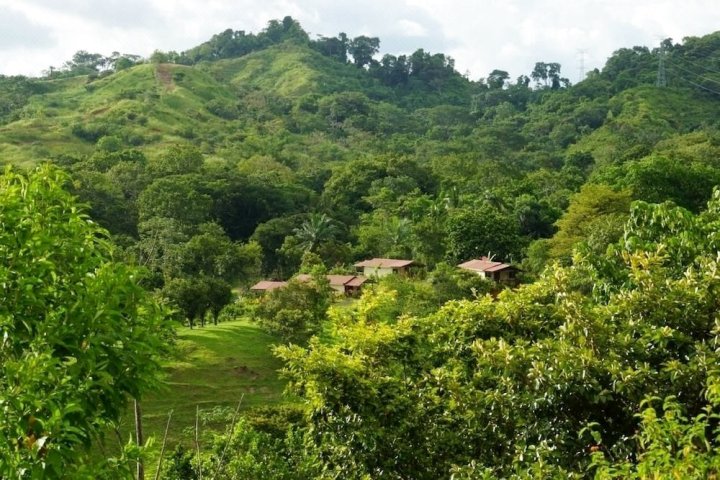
[17,31]
[411,29]
[554,30]
[481,35]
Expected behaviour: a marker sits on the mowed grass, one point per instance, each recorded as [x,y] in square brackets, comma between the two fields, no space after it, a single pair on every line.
[214,366]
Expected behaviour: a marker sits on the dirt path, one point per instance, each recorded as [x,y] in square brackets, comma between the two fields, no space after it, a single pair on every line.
[163,72]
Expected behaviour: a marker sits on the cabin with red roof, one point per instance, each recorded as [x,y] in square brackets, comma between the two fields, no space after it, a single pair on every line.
[380,267]
[497,271]
[349,285]
[266,286]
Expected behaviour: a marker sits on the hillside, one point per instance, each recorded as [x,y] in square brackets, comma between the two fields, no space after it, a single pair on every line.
[146,105]
[293,117]
[641,117]
[279,112]
[290,71]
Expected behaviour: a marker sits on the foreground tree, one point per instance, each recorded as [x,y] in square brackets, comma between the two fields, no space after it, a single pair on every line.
[80,336]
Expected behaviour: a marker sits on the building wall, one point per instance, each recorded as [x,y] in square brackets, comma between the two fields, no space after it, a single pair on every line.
[502,276]
[376,272]
[481,273]
[505,276]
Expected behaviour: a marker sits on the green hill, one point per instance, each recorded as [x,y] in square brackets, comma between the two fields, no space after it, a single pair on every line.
[151,106]
[145,106]
[641,117]
[278,109]
[290,70]
[282,89]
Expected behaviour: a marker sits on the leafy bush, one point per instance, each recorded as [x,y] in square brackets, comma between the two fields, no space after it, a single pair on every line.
[90,132]
[296,311]
[223,109]
[245,453]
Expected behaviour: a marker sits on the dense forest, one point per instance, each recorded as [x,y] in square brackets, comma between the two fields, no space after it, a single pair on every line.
[140,193]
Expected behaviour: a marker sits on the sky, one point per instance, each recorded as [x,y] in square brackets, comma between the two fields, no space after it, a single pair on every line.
[481,35]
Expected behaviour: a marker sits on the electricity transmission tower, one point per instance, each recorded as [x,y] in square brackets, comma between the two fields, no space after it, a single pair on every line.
[581,53]
[661,77]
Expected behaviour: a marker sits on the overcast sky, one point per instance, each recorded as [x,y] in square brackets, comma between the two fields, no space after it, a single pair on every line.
[480,35]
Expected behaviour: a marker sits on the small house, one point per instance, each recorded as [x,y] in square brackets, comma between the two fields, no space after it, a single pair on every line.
[349,285]
[353,287]
[266,286]
[497,271]
[380,267]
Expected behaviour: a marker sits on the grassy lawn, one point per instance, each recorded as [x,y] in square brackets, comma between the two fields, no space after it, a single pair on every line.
[214,367]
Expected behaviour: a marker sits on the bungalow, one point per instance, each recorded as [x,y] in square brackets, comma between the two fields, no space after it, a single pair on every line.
[266,286]
[380,267]
[496,271]
[349,285]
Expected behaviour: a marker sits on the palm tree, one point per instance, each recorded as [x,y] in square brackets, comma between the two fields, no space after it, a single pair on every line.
[495,201]
[318,228]
[399,232]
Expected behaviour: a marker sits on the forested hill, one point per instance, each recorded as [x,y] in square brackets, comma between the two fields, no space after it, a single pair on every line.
[277,144]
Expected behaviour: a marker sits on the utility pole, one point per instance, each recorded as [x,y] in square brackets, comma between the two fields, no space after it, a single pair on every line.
[661,77]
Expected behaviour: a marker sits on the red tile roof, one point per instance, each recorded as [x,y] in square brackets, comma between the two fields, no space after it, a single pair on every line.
[384,263]
[338,280]
[267,285]
[485,265]
[356,281]
[502,266]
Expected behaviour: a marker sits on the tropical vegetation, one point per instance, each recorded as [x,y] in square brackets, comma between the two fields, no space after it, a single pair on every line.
[142,193]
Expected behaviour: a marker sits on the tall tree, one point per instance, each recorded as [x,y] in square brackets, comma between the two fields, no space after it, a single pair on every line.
[80,335]
[596,214]
[474,233]
[175,197]
[497,78]
[363,49]
[549,73]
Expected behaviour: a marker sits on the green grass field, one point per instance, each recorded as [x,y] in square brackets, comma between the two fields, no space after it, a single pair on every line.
[214,367]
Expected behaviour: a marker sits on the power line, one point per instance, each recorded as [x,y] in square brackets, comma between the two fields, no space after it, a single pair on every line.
[698,64]
[695,73]
[700,86]
[661,80]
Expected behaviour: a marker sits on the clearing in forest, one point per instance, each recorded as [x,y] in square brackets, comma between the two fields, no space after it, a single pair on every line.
[213,367]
